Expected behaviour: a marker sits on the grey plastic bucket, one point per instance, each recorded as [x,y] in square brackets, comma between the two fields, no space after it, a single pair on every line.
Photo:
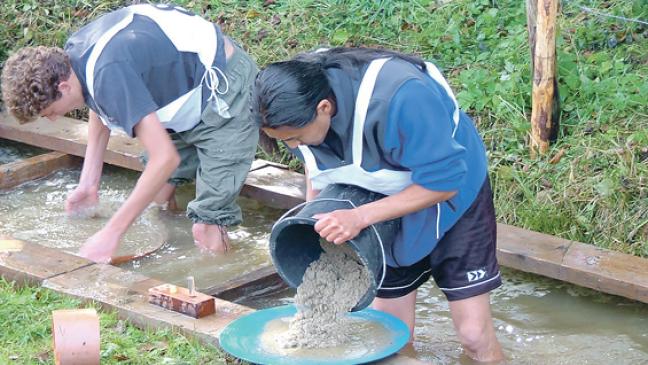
[294,243]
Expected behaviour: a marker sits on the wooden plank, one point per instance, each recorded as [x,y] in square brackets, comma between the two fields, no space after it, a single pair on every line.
[30,263]
[275,187]
[18,172]
[530,251]
[120,290]
[574,262]
[126,293]
[241,286]
[71,136]
[607,271]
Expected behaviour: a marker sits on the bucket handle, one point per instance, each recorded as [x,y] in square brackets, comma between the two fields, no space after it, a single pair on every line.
[375,231]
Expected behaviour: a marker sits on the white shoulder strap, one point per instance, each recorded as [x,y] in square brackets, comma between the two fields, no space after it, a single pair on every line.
[362,105]
[435,74]
[309,160]
[98,48]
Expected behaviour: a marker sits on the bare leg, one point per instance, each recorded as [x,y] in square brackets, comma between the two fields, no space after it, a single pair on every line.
[402,307]
[211,237]
[166,195]
[474,325]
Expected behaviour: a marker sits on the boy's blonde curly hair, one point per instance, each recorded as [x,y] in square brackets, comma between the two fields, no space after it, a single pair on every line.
[30,80]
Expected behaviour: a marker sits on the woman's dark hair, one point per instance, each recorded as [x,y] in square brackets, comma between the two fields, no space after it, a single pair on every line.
[287,93]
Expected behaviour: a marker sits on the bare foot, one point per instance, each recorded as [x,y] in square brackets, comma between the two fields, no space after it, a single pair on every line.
[211,237]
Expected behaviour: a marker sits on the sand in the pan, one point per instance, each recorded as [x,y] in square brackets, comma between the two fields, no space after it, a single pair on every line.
[322,328]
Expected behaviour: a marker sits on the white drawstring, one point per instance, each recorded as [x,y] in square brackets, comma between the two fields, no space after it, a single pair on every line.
[210,78]
[212,82]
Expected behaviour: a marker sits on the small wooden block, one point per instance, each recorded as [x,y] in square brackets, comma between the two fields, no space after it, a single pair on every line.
[177,299]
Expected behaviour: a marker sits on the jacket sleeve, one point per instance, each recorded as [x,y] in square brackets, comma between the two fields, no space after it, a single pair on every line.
[419,136]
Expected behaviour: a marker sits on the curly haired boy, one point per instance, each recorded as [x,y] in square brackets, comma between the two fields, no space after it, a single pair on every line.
[166,77]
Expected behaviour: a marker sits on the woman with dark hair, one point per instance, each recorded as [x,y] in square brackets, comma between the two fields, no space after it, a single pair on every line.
[389,123]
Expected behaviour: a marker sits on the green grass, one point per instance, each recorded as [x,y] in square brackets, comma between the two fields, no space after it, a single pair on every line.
[26,337]
[597,193]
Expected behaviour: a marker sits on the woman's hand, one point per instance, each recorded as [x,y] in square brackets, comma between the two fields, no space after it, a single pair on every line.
[339,226]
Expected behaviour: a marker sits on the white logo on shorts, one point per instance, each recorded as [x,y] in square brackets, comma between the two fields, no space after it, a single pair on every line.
[475,275]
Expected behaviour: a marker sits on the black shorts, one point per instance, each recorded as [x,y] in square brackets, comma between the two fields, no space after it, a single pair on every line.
[464,262]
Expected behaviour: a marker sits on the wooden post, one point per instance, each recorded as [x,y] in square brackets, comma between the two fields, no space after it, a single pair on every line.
[545,112]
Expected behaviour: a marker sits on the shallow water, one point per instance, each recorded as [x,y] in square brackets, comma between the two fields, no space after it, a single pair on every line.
[34,211]
[11,151]
[181,258]
[543,321]
[537,320]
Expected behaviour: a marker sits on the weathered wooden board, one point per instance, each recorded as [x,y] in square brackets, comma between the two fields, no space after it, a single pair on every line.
[127,293]
[25,262]
[263,278]
[574,262]
[70,136]
[275,187]
[607,271]
[18,172]
[530,251]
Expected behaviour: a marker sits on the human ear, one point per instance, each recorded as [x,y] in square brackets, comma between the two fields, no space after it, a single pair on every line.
[325,107]
[64,87]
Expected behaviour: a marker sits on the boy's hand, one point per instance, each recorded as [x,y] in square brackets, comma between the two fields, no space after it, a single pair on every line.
[81,202]
[100,247]
[339,226]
